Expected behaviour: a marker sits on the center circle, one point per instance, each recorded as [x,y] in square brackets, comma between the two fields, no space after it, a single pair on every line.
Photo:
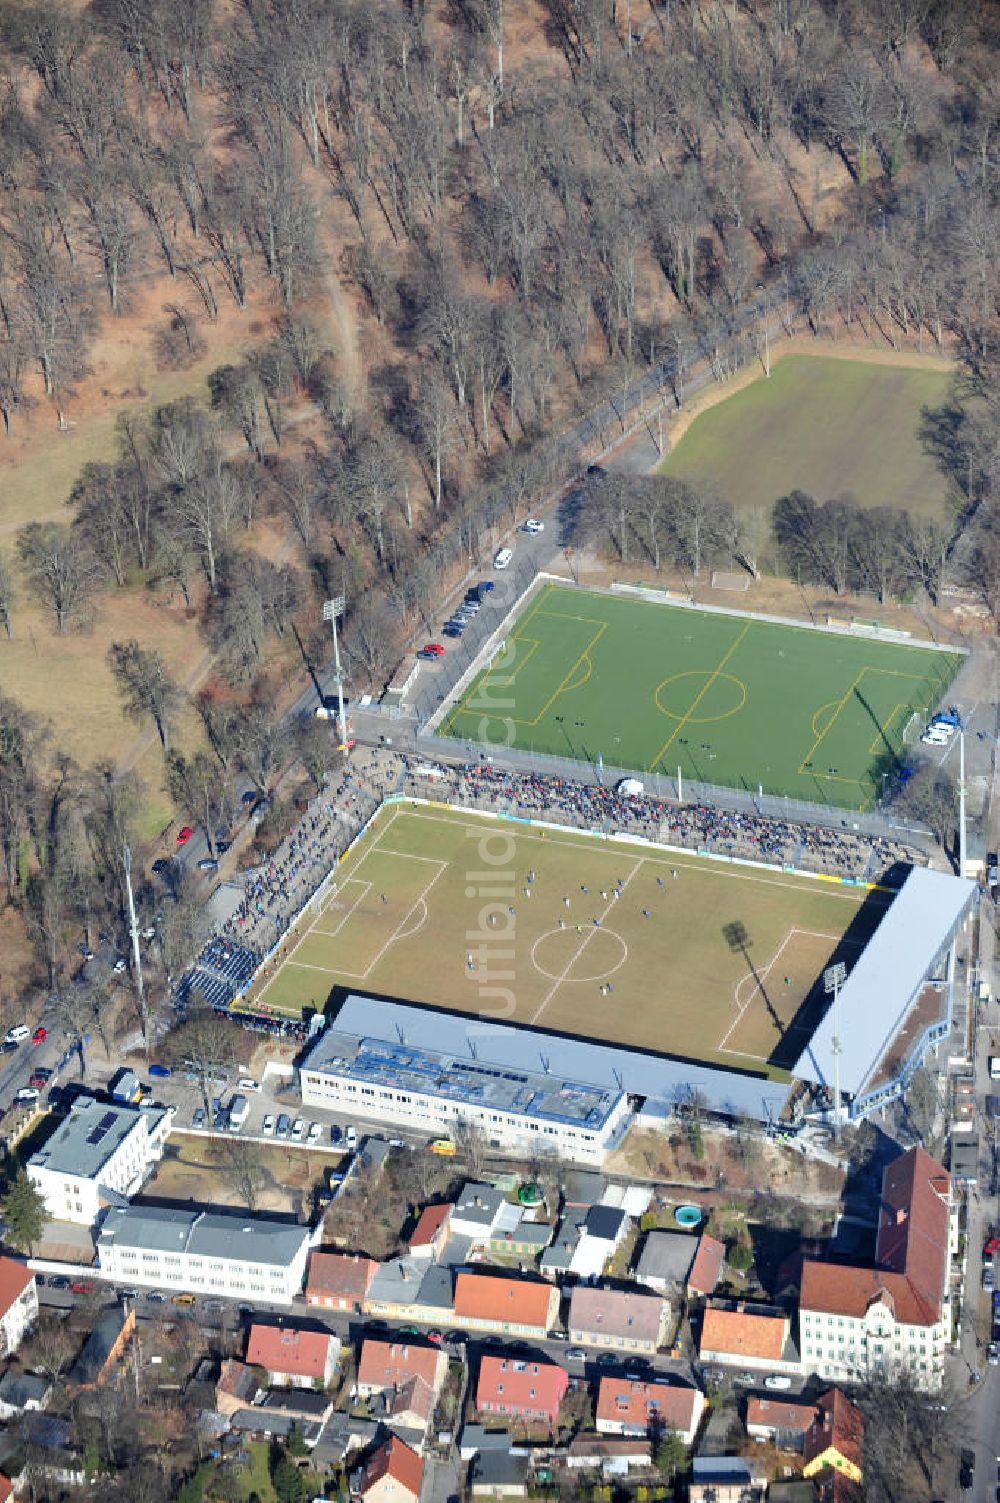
[603,954]
[713,695]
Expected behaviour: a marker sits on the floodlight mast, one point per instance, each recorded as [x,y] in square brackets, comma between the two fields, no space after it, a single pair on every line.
[833,980]
[331,610]
[961,799]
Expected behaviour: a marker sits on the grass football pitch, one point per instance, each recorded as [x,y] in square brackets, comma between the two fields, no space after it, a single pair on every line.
[826,426]
[732,700]
[689,957]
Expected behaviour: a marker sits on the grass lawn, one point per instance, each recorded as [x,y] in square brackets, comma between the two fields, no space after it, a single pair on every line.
[416,898]
[825,426]
[256,1478]
[732,700]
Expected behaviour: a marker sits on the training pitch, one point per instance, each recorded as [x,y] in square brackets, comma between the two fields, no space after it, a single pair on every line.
[729,699]
[690,958]
[825,426]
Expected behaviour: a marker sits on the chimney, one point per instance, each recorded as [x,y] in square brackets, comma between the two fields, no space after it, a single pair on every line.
[900,1215]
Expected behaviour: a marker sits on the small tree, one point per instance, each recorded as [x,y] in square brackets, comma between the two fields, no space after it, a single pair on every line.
[145,686]
[287,1480]
[669,1454]
[25,1215]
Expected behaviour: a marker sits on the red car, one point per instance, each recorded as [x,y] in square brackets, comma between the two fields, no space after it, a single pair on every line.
[992,1246]
[39,1036]
[431,650]
[82,1286]
[436,1338]
[184,834]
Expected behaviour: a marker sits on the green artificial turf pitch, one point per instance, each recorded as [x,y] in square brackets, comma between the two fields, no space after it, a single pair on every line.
[825,426]
[729,699]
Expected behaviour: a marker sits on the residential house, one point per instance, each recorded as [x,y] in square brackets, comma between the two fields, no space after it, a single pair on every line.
[517,1307]
[748,1337]
[867,1321]
[103,1347]
[386,1365]
[411,1289]
[430,1235]
[18,1304]
[582,1188]
[476,1438]
[621,1319]
[782,1422]
[664,1261]
[23,1393]
[524,1239]
[604,1229]
[726,1479]
[100,1155]
[835,1440]
[237,1387]
[394,1474]
[706,1270]
[519,1388]
[210,1252]
[292,1356]
[476,1213]
[282,1412]
[637,1406]
[339,1281]
[499,1474]
[340,1437]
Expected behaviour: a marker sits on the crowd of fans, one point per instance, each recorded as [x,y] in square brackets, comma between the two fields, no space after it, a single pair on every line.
[276,892]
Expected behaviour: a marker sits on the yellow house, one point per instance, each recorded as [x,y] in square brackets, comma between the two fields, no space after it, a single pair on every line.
[835,1438]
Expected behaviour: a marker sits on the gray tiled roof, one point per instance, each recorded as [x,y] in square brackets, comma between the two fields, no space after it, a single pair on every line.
[208,1234]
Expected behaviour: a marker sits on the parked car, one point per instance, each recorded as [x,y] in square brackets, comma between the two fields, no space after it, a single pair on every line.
[40,1035]
[351,1137]
[81,1286]
[298,1128]
[207,864]
[533,526]
[184,834]
[247,1083]
[503,558]
[268,1127]
[160,1072]
[284,1125]
[160,865]
[154,1297]
[335,1133]
[777,1380]
[312,1136]
[182,1299]
[198,1120]
[988,1276]
[18,1033]
[8,1046]
[59,1281]
[26,1096]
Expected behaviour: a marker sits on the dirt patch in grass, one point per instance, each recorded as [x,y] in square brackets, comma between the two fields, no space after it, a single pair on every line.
[191,1171]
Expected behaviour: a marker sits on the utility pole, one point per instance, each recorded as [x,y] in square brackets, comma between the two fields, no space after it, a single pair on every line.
[140,994]
[833,980]
[331,610]
[961,800]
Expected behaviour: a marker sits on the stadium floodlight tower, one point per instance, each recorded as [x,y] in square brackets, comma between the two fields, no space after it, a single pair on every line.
[961,799]
[331,610]
[833,980]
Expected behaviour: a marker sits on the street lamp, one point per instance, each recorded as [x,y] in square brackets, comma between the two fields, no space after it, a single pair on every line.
[833,980]
[331,610]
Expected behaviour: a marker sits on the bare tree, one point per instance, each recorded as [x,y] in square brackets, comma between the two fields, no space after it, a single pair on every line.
[6,599]
[206,1046]
[145,685]
[241,1164]
[63,573]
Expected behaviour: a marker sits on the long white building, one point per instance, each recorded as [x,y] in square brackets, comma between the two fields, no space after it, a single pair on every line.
[205,1252]
[99,1156]
[520,1109]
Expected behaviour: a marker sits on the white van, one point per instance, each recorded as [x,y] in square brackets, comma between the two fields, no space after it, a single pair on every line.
[503,558]
[239,1111]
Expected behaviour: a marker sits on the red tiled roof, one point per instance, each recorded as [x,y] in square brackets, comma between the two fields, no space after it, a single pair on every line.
[339,1275]
[780,1414]
[281,1349]
[396,1460]
[391,1364]
[913,1223]
[14,1280]
[522,1387]
[615,1312]
[6,1488]
[911,1251]
[741,1334]
[415,1397]
[432,1219]
[237,1380]
[837,1423]
[515,1302]
[707,1265]
[626,1401]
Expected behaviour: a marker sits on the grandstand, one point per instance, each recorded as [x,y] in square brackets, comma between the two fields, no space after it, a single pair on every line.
[898,1000]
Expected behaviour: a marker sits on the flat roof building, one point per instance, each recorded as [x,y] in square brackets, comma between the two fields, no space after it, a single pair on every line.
[100,1155]
[204,1251]
[432,1089]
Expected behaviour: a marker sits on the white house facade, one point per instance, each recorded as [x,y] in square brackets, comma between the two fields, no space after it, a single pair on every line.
[100,1155]
[204,1252]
